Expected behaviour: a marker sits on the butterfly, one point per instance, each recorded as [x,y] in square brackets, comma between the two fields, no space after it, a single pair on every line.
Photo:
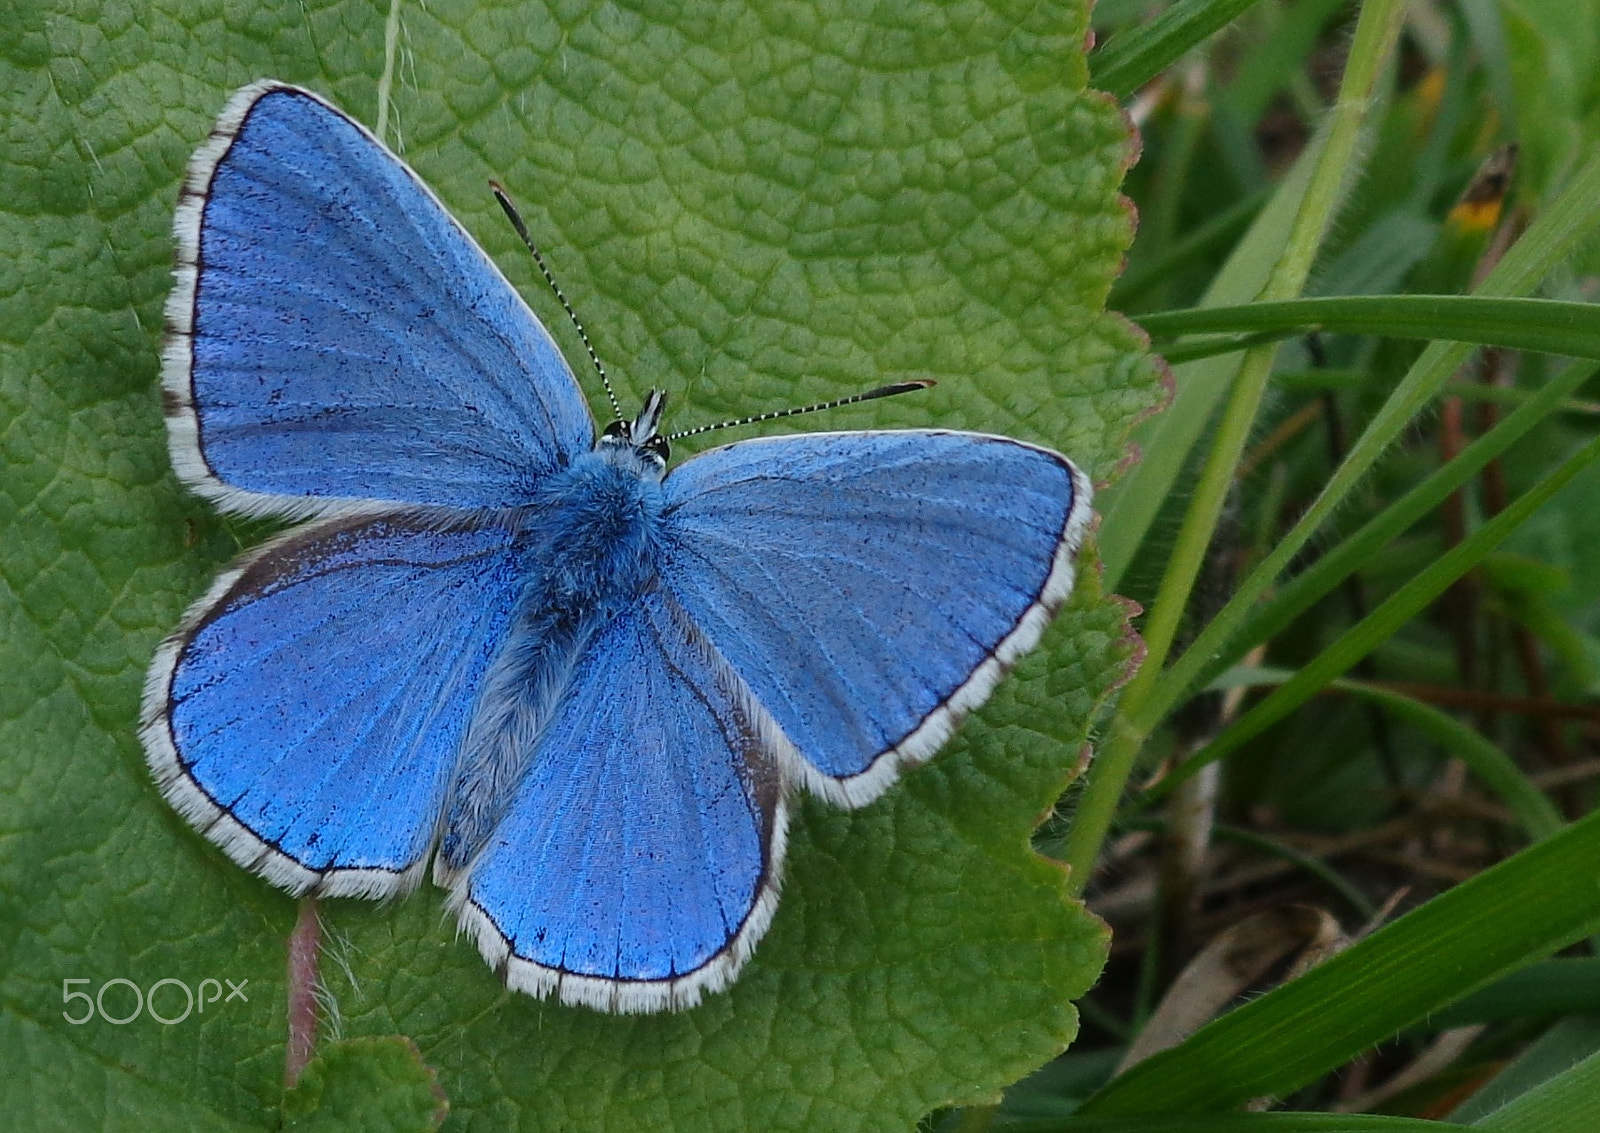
[583,687]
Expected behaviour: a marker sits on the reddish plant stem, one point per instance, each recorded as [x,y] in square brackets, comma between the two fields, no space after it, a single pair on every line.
[304,946]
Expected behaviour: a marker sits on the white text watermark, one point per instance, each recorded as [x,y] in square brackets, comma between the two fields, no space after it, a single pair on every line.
[127,1000]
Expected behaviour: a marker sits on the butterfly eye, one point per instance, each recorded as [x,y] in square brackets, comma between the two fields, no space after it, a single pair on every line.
[657,446]
[616,429]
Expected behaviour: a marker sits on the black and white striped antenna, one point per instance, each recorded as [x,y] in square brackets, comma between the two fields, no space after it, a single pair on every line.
[870,395]
[522,231]
[611,396]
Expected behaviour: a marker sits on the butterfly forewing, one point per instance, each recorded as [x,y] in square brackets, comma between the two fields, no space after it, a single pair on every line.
[335,336]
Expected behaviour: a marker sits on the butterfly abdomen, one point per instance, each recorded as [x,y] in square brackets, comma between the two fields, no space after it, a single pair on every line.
[590,542]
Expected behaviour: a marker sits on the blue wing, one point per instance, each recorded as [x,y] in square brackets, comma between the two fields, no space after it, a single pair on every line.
[639,863]
[307,715]
[871,588]
[334,334]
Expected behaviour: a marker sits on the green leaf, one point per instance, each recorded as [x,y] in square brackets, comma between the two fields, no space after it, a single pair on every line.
[49,1083]
[1517,911]
[751,209]
[379,1084]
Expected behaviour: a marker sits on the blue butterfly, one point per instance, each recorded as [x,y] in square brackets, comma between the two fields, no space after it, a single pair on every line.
[583,687]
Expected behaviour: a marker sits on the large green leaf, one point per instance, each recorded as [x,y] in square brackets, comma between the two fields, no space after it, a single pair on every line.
[751,208]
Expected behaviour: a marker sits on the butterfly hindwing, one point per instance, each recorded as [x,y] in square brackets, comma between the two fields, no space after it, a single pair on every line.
[335,335]
[870,588]
[307,714]
[639,862]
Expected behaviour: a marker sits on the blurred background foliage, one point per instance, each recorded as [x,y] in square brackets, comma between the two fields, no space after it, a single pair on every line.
[1352,789]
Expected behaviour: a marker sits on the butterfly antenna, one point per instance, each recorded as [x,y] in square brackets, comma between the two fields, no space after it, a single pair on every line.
[522,230]
[870,395]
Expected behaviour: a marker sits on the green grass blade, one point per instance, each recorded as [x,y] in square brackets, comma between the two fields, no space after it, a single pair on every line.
[1497,770]
[1567,1103]
[1194,349]
[1361,547]
[1569,1040]
[1377,627]
[1235,1123]
[1336,378]
[1129,506]
[1548,989]
[1561,1046]
[1544,245]
[1377,28]
[1516,912]
[1271,847]
[1137,55]
[1546,325]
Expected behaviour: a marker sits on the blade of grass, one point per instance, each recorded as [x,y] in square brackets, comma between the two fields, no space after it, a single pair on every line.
[1565,1043]
[1567,1103]
[1551,988]
[1511,395]
[1546,325]
[1545,244]
[1172,170]
[1334,378]
[1136,55]
[1129,507]
[1518,911]
[1376,30]
[1201,242]
[1316,867]
[1357,550]
[1401,606]
[1235,1123]
[1493,767]
[1194,349]
[1497,770]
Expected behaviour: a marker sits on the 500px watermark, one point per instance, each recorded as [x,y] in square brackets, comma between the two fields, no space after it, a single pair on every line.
[94,1006]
